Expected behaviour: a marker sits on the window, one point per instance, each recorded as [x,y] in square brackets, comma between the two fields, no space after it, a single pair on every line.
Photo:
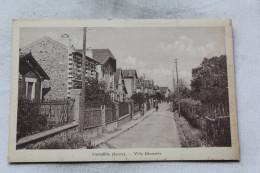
[30,87]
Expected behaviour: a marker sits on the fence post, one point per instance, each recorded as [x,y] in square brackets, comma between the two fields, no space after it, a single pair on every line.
[103,119]
[131,108]
[117,110]
[145,104]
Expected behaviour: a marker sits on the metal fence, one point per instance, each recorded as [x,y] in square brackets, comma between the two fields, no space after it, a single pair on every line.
[92,118]
[34,117]
[123,109]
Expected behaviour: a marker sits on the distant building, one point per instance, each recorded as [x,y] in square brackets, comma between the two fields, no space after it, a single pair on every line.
[166,91]
[148,87]
[156,88]
[31,76]
[121,91]
[130,77]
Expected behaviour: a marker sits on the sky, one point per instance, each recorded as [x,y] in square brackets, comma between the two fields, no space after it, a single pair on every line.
[149,50]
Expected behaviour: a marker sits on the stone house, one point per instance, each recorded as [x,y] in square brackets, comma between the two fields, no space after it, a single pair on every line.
[130,77]
[120,88]
[31,76]
[62,63]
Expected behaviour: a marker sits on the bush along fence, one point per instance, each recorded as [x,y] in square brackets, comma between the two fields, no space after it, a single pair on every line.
[53,123]
[34,117]
[215,125]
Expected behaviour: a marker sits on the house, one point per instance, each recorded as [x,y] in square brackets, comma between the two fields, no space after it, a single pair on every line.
[148,87]
[156,88]
[31,76]
[130,77]
[76,72]
[140,85]
[61,61]
[121,92]
[106,69]
[166,91]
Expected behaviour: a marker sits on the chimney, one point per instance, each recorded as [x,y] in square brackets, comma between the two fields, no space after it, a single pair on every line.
[65,40]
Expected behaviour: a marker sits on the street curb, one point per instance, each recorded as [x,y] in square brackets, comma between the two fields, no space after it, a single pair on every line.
[108,138]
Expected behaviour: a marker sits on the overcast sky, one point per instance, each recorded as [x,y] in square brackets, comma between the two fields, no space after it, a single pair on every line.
[151,51]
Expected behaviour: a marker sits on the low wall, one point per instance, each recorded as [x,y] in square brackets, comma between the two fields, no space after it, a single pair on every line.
[111,126]
[38,137]
[92,132]
[124,119]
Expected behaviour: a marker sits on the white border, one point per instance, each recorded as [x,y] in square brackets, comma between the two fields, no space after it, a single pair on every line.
[210,153]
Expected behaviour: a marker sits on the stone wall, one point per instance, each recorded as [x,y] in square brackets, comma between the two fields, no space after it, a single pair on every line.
[42,136]
[53,58]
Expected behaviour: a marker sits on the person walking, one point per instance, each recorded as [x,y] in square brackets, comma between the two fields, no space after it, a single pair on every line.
[156,105]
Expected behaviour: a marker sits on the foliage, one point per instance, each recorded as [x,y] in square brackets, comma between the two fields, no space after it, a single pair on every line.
[29,120]
[184,93]
[190,109]
[96,94]
[138,98]
[159,96]
[70,140]
[209,84]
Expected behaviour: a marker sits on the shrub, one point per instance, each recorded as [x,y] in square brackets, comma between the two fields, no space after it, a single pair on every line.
[190,109]
[70,140]
[29,120]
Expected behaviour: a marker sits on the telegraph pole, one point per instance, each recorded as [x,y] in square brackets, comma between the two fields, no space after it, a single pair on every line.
[178,90]
[83,78]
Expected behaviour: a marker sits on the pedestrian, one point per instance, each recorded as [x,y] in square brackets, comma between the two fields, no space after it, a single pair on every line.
[156,105]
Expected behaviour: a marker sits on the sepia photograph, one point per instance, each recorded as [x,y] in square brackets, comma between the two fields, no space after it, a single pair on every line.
[115,90]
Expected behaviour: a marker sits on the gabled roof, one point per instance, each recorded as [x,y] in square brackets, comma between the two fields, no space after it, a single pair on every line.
[102,55]
[117,74]
[163,89]
[129,73]
[156,87]
[28,62]
[44,39]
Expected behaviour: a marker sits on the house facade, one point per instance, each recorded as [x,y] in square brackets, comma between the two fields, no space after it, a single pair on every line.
[62,62]
[148,87]
[120,88]
[76,72]
[31,77]
[106,69]
[130,77]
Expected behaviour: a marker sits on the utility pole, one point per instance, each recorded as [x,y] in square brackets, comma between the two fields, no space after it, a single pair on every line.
[178,90]
[83,84]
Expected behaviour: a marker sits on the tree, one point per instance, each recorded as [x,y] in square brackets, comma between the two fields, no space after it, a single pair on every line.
[209,84]
[96,94]
[160,96]
[138,98]
[184,93]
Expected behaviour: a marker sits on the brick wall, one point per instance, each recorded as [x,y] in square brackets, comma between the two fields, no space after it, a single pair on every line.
[53,58]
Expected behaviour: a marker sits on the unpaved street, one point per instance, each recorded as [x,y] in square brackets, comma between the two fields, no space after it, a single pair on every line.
[159,130]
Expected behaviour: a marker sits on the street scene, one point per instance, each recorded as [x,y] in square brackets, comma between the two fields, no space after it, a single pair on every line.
[159,130]
[128,87]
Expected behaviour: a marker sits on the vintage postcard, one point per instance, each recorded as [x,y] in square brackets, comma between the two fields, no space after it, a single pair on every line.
[122,90]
